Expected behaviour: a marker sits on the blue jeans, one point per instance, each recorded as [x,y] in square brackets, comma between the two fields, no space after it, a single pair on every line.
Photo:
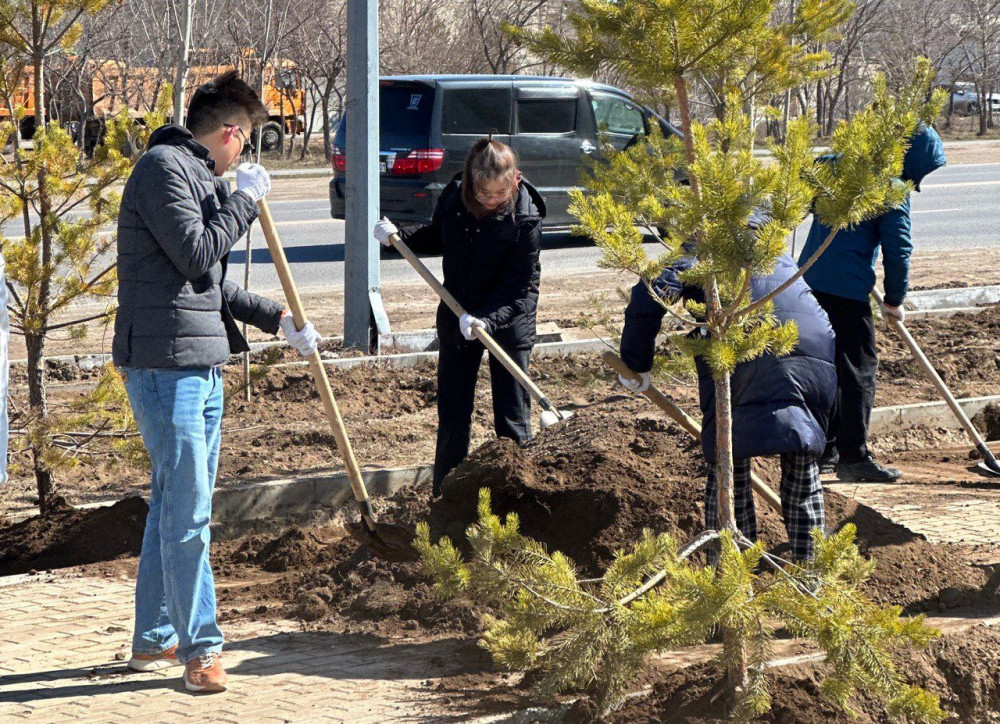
[179,414]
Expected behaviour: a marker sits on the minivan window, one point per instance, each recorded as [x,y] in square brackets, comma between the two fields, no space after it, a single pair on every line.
[546,115]
[617,115]
[476,111]
[405,111]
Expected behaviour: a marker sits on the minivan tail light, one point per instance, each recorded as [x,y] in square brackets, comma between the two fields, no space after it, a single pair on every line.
[339,159]
[418,161]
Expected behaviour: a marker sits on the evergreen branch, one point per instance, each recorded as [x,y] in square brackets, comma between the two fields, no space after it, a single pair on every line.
[767,298]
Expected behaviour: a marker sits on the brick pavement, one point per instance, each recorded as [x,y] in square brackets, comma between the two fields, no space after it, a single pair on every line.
[941,513]
[59,635]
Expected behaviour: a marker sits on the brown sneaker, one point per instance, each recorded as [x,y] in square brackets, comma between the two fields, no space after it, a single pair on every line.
[154,662]
[205,674]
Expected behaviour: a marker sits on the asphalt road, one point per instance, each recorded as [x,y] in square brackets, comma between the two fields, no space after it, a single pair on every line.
[958,208]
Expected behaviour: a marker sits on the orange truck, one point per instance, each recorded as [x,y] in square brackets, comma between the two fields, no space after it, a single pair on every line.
[111,86]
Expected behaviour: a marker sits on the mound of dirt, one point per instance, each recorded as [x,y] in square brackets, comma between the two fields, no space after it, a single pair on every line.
[67,536]
[963,669]
[987,421]
[326,578]
[588,487]
[912,572]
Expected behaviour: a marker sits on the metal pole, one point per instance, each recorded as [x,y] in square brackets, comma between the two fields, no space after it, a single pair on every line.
[363,312]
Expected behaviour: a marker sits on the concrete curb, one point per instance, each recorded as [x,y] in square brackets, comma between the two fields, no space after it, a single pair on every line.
[933,414]
[412,359]
[293,496]
[299,495]
[928,299]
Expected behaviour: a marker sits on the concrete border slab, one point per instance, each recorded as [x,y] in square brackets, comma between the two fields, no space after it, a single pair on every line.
[953,298]
[299,495]
[932,414]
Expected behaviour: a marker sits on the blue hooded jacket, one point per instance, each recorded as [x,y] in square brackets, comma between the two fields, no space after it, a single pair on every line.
[780,404]
[847,267]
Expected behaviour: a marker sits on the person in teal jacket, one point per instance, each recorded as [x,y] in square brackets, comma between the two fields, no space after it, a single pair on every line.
[842,280]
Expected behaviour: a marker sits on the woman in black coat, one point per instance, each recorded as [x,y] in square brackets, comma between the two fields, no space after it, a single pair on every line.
[487,226]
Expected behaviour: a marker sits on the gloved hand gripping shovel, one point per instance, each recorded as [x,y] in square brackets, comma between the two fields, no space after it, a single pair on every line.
[550,414]
[392,542]
[989,467]
[684,420]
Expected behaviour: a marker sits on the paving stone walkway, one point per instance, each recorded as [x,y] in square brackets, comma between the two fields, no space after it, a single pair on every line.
[64,638]
[940,513]
[59,636]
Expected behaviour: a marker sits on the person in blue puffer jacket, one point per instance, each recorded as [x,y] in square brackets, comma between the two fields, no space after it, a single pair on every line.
[842,280]
[781,405]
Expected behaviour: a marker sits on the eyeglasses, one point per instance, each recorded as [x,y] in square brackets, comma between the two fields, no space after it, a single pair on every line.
[243,135]
[485,195]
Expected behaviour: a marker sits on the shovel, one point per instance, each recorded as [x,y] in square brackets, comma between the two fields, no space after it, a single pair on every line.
[550,414]
[989,467]
[684,420]
[392,542]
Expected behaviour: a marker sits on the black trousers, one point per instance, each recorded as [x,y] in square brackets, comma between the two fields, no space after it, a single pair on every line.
[857,367]
[458,372]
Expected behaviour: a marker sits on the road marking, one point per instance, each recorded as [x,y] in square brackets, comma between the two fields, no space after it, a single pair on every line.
[933,211]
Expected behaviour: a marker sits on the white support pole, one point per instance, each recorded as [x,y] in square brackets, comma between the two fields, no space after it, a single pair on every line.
[363,312]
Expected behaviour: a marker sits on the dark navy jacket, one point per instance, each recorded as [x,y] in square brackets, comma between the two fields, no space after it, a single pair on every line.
[780,404]
[847,267]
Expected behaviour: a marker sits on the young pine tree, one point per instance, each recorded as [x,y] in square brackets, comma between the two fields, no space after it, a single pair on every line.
[698,197]
[63,204]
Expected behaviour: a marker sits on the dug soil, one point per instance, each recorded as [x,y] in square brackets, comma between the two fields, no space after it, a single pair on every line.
[391,414]
[68,536]
[587,487]
[962,669]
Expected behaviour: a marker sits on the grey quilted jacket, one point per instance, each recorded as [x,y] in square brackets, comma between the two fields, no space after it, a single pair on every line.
[176,226]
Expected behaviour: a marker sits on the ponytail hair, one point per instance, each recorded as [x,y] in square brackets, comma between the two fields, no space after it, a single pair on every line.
[488,161]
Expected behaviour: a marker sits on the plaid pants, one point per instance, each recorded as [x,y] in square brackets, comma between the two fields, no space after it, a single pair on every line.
[801,501]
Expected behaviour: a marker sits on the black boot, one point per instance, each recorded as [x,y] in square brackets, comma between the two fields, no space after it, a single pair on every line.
[867,471]
[828,462]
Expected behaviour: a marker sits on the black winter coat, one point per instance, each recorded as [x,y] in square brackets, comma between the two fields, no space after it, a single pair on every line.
[176,226]
[780,404]
[491,265]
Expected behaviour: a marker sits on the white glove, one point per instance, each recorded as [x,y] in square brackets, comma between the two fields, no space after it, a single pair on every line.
[304,340]
[636,387]
[383,230]
[252,179]
[897,312]
[465,324]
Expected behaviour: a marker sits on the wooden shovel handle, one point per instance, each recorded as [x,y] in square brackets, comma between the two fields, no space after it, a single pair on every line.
[939,383]
[315,362]
[495,349]
[684,420]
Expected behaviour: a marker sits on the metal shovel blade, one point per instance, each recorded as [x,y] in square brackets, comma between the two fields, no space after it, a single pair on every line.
[989,466]
[392,542]
[985,470]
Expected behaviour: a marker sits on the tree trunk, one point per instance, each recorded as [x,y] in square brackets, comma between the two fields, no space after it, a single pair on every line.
[327,136]
[39,410]
[736,657]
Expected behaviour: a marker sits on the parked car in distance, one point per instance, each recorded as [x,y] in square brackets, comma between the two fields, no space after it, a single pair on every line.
[965,101]
[428,123]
